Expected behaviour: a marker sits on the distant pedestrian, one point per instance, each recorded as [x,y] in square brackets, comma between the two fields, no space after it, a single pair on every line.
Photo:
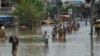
[60,34]
[46,38]
[14,40]
[69,28]
[78,24]
[55,28]
[86,19]
[54,33]
[65,30]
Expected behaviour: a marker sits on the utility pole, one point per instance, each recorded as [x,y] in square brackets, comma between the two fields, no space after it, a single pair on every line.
[92,17]
[58,13]
[91,21]
[58,4]
[17,25]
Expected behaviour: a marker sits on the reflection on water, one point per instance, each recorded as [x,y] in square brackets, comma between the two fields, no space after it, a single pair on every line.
[30,40]
[57,49]
[10,31]
[30,50]
[46,50]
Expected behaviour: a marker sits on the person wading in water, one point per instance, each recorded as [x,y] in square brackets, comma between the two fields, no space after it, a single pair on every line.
[14,40]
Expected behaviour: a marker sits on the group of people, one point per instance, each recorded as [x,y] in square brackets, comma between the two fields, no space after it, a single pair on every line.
[72,26]
[61,30]
[13,39]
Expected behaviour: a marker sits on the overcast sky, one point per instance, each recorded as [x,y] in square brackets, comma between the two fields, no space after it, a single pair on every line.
[73,0]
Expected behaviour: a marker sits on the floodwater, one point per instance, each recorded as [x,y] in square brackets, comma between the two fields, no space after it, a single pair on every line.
[77,44]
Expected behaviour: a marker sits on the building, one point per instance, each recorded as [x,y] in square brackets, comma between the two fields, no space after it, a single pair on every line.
[97,8]
[53,2]
[75,3]
[6,11]
[6,7]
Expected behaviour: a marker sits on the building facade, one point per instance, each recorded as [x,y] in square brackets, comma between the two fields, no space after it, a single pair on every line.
[6,7]
[97,8]
[6,12]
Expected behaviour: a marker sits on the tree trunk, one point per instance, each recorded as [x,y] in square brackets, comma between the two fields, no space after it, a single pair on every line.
[34,28]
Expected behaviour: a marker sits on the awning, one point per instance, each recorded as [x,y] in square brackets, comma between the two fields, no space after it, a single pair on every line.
[65,16]
[98,20]
[6,18]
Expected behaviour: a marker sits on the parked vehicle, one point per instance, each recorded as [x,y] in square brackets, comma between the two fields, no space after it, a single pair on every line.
[48,22]
[65,18]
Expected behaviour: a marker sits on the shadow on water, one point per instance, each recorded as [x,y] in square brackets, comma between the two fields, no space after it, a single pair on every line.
[21,31]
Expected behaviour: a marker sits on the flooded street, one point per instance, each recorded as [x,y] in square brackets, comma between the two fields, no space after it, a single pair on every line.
[49,27]
[77,44]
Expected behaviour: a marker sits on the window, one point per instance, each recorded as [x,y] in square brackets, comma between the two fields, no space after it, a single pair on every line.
[5,4]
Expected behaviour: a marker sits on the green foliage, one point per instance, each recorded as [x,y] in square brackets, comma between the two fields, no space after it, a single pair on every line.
[29,11]
[52,9]
[64,10]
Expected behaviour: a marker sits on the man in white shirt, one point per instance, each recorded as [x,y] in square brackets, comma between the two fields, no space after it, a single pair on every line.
[46,38]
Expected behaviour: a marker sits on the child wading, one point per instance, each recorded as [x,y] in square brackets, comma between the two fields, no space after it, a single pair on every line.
[46,38]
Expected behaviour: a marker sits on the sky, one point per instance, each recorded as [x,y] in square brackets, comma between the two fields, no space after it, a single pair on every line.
[73,0]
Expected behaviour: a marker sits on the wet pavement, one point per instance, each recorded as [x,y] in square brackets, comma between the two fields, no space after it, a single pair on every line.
[77,44]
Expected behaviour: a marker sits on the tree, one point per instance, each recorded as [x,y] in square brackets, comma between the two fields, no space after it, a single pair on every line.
[64,10]
[16,1]
[52,10]
[29,11]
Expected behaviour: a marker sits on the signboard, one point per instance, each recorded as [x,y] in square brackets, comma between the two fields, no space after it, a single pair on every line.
[70,11]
